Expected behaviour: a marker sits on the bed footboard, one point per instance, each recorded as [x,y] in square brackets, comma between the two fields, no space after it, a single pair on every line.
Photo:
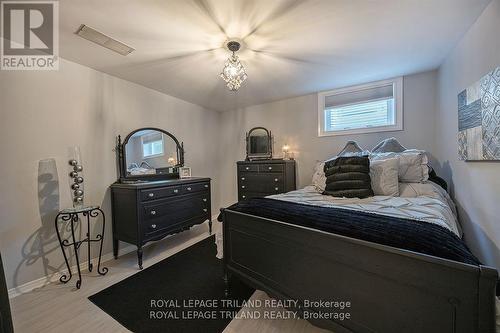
[389,289]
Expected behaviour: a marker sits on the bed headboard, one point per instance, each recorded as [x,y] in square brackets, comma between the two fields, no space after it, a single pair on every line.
[389,145]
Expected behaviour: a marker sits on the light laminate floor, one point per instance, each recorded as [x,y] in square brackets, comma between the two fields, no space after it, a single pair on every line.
[272,324]
[62,308]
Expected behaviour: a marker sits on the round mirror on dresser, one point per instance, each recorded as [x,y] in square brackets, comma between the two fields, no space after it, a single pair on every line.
[150,154]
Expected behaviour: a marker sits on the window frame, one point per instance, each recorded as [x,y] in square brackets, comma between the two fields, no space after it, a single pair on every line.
[153,155]
[397,84]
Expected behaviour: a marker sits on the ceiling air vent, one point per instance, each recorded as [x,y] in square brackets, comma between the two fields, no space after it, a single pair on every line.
[103,40]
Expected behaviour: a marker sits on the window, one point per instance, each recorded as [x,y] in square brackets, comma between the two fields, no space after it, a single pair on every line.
[152,145]
[373,107]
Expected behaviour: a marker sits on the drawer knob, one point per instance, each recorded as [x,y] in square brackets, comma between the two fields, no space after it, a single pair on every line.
[206,185]
[275,179]
[176,191]
[276,188]
[189,188]
[205,210]
[153,212]
[242,186]
[153,226]
[270,168]
[247,168]
[243,196]
[204,199]
[242,178]
[151,195]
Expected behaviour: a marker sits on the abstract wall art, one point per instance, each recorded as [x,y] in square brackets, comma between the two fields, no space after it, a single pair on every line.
[479,119]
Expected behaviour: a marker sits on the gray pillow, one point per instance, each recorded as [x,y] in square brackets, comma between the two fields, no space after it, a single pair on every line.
[352,149]
[390,145]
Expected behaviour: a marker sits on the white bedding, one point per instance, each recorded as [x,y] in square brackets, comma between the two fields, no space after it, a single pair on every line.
[433,207]
[141,171]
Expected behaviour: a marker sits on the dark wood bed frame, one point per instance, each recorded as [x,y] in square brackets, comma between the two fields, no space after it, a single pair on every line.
[390,289]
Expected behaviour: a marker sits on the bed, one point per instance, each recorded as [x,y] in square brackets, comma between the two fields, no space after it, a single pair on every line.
[277,245]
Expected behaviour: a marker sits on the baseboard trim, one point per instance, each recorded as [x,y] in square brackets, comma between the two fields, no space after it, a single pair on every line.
[45,280]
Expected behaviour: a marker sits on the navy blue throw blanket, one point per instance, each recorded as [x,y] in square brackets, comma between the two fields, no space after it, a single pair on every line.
[397,232]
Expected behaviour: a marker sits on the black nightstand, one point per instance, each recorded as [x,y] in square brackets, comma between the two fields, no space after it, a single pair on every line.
[265,177]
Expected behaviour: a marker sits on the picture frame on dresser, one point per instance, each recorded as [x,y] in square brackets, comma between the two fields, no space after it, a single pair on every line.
[184,172]
[150,200]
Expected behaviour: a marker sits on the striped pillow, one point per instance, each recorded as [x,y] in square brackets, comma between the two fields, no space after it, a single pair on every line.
[348,177]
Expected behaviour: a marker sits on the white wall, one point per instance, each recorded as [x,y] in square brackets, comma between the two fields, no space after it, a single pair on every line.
[295,121]
[475,185]
[44,113]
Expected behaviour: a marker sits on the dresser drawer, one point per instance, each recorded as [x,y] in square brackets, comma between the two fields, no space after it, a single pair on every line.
[262,188]
[244,195]
[271,168]
[195,187]
[159,193]
[248,168]
[245,179]
[261,183]
[163,213]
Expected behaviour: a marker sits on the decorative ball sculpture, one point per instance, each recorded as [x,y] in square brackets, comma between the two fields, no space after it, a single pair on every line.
[76,179]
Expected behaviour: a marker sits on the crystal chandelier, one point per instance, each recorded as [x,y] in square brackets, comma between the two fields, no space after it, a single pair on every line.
[233,72]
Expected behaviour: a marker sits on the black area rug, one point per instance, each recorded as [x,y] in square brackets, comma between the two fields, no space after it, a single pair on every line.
[166,296]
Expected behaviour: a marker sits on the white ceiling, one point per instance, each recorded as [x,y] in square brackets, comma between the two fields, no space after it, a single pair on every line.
[291,47]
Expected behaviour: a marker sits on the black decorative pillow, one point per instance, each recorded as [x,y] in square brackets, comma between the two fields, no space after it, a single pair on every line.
[348,177]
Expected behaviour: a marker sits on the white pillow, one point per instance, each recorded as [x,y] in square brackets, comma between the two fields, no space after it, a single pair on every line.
[319,178]
[412,165]
[413,190]
[384,176]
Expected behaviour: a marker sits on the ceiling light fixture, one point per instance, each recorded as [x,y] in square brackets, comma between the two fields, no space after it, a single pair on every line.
[233,72]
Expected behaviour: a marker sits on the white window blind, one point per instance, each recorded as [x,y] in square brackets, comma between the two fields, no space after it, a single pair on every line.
[152,145]
[361,115]
[362,109]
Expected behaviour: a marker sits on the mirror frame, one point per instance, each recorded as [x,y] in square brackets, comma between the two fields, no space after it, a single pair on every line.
[268,155]
[122,157]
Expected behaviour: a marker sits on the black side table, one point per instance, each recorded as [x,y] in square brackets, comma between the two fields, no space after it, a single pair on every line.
[72,215]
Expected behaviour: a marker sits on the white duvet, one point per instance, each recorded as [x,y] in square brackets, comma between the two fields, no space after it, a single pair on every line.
[424,202]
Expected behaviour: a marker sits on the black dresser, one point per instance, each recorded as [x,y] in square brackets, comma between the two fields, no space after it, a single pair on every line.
[265,177]
[148,211]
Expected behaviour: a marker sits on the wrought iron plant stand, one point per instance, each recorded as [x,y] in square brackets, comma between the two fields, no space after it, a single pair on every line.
[72,215]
